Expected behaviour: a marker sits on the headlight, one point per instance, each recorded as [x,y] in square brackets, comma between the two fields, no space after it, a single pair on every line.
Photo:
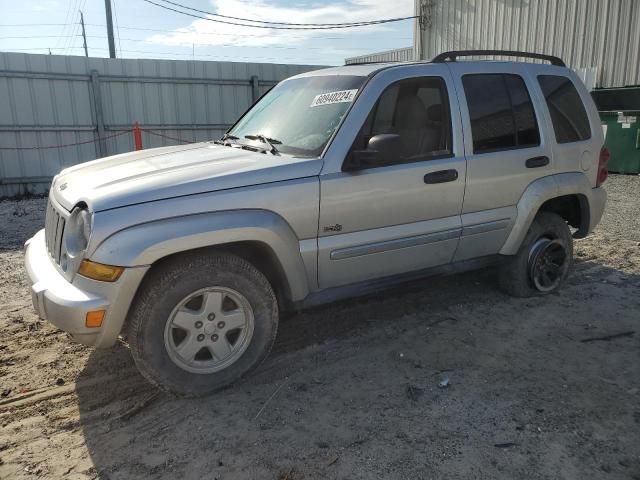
[78,231]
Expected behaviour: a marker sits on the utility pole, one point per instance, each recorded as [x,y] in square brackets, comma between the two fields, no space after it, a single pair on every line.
[112,43]
[84,35]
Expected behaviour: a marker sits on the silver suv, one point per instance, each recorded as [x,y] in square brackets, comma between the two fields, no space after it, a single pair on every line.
[336,182]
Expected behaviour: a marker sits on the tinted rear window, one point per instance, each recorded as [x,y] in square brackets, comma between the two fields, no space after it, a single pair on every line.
[569,117]
[500,111]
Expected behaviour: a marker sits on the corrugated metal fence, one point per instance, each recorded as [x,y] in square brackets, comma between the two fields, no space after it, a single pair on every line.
[57,111]
[603,35]
[397,55]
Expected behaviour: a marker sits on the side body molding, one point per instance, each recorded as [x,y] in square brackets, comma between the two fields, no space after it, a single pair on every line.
[546,188]
[145,243]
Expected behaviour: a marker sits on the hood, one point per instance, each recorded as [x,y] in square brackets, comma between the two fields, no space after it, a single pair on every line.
[167,172]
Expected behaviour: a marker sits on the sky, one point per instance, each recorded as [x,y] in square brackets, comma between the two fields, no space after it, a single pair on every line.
[143,30]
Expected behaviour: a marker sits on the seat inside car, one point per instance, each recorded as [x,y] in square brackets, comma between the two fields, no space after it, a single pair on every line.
[419,127]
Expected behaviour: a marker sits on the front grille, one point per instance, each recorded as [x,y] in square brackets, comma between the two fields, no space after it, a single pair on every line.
[54,228]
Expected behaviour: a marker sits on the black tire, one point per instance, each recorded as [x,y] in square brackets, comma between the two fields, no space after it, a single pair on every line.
[520,274]
[169,284]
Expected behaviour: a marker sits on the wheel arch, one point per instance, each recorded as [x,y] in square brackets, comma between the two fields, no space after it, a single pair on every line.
[261,237]
[573,208]
[567,194]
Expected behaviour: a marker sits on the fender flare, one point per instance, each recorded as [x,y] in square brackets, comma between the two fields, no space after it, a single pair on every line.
[146,243]
[538,192]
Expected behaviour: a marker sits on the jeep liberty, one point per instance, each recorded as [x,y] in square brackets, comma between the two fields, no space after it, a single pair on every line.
[337,182]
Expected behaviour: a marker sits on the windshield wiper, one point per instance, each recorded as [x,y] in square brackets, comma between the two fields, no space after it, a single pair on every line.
[269,141]
[225,137]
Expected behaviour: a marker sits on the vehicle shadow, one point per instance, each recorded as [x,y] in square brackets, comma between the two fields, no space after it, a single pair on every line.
[284,420]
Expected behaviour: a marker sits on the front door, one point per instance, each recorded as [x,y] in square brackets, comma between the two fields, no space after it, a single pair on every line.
[402,212]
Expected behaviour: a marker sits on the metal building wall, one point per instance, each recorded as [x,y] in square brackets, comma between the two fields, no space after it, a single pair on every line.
[604,34]
[397,55]
[51,100]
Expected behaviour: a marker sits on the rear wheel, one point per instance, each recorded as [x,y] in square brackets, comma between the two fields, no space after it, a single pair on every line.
[201,322]
[544,260]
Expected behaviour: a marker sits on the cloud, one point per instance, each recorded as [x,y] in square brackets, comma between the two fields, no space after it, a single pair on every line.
[51,5]
[207,33]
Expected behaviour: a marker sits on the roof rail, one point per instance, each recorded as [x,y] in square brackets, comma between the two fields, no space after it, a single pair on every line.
[451,56]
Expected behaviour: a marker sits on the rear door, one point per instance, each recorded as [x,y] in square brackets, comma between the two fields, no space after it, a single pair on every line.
[575,148]
[402,213]
[505,147]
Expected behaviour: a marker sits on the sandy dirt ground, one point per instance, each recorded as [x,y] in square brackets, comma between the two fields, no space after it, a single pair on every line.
[352,390]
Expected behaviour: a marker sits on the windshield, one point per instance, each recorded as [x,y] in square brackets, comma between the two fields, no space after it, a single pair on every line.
[300,114]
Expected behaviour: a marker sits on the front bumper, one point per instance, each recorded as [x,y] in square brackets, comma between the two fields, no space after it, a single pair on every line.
[65,304]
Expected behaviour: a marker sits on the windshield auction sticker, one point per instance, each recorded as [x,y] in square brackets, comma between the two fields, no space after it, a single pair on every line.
[343,96]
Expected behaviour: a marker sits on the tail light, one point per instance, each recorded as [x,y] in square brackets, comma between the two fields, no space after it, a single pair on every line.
[603,161]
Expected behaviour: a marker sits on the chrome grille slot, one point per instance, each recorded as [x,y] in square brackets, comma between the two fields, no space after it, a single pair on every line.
[57,249]
[54,228]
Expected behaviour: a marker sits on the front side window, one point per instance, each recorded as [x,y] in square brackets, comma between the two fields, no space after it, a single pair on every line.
[569,117]
[417,110]
[300,115]
[501,113]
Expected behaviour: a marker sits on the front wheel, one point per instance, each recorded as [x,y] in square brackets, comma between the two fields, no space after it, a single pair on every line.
[544,260]
[202,321]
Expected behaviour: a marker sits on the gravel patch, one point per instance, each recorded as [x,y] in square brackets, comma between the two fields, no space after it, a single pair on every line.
[443,378]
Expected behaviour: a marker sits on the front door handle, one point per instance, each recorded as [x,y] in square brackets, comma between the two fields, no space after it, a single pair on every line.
[441,176]
[536,162]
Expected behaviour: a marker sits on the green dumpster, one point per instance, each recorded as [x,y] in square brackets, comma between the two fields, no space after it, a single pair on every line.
[622,139]
[620,116]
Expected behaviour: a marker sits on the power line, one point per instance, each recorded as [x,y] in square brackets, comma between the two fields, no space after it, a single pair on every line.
[169,31]
[35,36]
[32,24]
[66,21]
[38,48]
[165,31]
[376,22]
[232,34]
[220,45]
[148,52]
[345,24]
[75,27]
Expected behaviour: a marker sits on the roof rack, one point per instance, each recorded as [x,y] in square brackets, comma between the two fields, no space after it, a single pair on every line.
[451,56]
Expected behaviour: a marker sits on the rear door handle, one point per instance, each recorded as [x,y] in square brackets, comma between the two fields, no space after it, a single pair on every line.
[536,162]
[441,176]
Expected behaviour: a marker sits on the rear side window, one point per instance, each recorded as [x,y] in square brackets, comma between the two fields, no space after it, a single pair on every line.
[569,117]
[501,113]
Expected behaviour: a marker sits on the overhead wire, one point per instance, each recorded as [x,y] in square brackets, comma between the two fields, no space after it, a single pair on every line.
[65,24]
[69,40]
[32,24]
[174,54]
[241,35]
[166,31]
[277,27]
[228,34]
[271,25]
[358,23]
[220,45]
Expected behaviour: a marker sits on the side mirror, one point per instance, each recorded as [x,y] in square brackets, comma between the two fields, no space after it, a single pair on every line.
[381,149]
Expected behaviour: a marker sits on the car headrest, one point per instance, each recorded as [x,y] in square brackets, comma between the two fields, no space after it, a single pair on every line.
[434,112]
[411,113]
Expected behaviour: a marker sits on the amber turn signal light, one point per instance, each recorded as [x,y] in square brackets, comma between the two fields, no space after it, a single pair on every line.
[94,318]
[99,271]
